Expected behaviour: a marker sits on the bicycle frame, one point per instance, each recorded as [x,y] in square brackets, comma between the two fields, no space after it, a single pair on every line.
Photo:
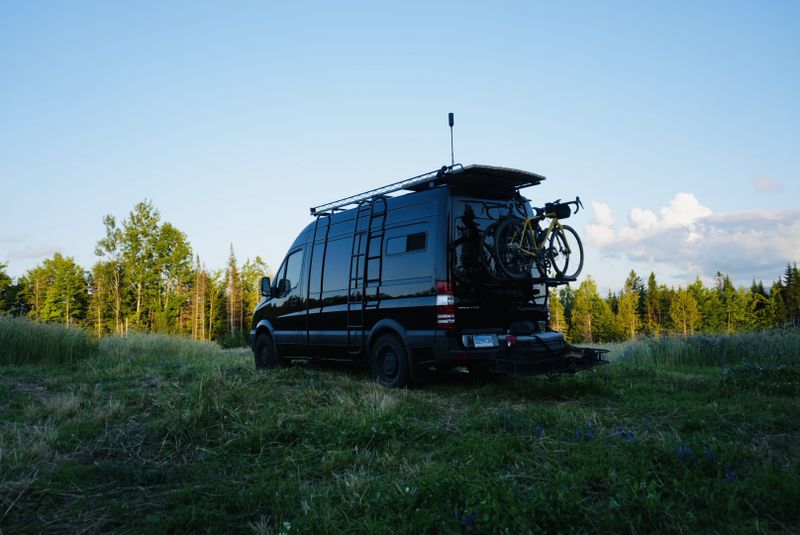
[528,226]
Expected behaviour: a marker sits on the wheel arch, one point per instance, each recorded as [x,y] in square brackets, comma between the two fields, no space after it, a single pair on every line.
[263,326]
[388,326]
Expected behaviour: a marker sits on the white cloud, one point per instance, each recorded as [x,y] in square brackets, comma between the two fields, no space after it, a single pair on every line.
[689,238]
[602,213]
[766,183]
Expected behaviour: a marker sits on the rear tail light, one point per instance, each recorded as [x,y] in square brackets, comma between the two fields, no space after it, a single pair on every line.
[445,306]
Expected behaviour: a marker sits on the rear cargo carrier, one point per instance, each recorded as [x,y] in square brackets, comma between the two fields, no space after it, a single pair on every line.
[542,353]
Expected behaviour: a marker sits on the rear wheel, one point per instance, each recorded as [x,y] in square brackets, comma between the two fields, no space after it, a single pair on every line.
[389,360]
[265,352]
[511,244]
[566,252]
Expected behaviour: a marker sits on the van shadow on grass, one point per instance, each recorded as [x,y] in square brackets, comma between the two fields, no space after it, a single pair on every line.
[594,384]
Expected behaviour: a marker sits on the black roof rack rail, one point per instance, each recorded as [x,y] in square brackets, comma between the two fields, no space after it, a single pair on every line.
[476,176]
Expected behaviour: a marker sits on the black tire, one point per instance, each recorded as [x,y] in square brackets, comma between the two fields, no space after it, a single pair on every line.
[566,252]
[265,352]
[389,361]
[489,255]
[510,239]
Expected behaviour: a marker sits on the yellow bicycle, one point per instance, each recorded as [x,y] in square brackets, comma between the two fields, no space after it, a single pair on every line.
[556,249]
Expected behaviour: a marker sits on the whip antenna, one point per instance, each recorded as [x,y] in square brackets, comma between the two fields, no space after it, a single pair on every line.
[451,120]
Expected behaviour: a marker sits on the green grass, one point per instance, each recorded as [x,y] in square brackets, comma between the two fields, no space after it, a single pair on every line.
[771,348]
[23,341]
[149,442]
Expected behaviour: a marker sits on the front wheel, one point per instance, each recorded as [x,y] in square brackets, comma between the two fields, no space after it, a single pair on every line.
[389,360]
[566,252]
[265,352]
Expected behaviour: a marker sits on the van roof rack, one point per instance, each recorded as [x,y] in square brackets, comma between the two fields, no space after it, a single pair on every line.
[472,176]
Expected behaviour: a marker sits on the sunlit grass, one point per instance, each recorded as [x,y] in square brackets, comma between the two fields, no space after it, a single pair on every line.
[23,341]
[769,348]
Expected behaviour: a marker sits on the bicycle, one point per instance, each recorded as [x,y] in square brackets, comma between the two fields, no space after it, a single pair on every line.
[521,242]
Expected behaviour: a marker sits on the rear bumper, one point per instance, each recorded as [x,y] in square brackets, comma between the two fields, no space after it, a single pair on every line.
[534,354]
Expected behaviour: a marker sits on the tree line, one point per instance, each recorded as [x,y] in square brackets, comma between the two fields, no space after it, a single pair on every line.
[146,279]
[653,309]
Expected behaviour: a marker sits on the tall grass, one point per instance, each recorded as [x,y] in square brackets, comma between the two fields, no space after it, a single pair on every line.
[23,341]
[157,346]
[769,348]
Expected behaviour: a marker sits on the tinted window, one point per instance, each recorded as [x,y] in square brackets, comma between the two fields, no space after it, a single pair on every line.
[290,271]
[337,265]
[407,253]
[293,266]
[407,243]
[416,242]
[316,270]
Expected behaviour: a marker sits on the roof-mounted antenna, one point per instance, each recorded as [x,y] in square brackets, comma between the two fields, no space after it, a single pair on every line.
[451,120]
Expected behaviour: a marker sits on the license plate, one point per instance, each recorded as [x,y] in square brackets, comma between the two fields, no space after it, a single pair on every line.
[483,340]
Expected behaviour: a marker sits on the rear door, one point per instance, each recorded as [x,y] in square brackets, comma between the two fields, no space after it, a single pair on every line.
[485,300]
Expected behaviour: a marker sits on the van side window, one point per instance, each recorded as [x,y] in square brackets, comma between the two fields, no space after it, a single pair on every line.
[407,244]
[416,242]
[289,275]
[315,275]
[337,265]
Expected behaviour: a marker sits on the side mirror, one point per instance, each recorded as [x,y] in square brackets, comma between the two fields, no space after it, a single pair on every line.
[266,288]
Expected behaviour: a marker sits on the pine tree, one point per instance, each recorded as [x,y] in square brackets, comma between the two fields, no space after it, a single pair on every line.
[653,302]
[733,304]
[791,295]
[234,296]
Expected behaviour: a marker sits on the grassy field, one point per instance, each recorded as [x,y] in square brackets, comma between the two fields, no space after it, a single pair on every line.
[156,434]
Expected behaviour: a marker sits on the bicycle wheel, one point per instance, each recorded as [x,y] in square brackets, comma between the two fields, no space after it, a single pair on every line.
[510,240]
[566,252]
[488,258]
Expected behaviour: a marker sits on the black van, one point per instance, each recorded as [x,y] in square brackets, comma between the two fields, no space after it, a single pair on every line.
[409,282]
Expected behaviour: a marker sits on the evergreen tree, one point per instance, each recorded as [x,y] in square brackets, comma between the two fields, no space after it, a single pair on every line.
[733,303]
[654,314]
[759,310]
[791,295]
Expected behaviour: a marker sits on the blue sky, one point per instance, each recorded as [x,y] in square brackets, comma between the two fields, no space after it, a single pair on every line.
[677,123]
